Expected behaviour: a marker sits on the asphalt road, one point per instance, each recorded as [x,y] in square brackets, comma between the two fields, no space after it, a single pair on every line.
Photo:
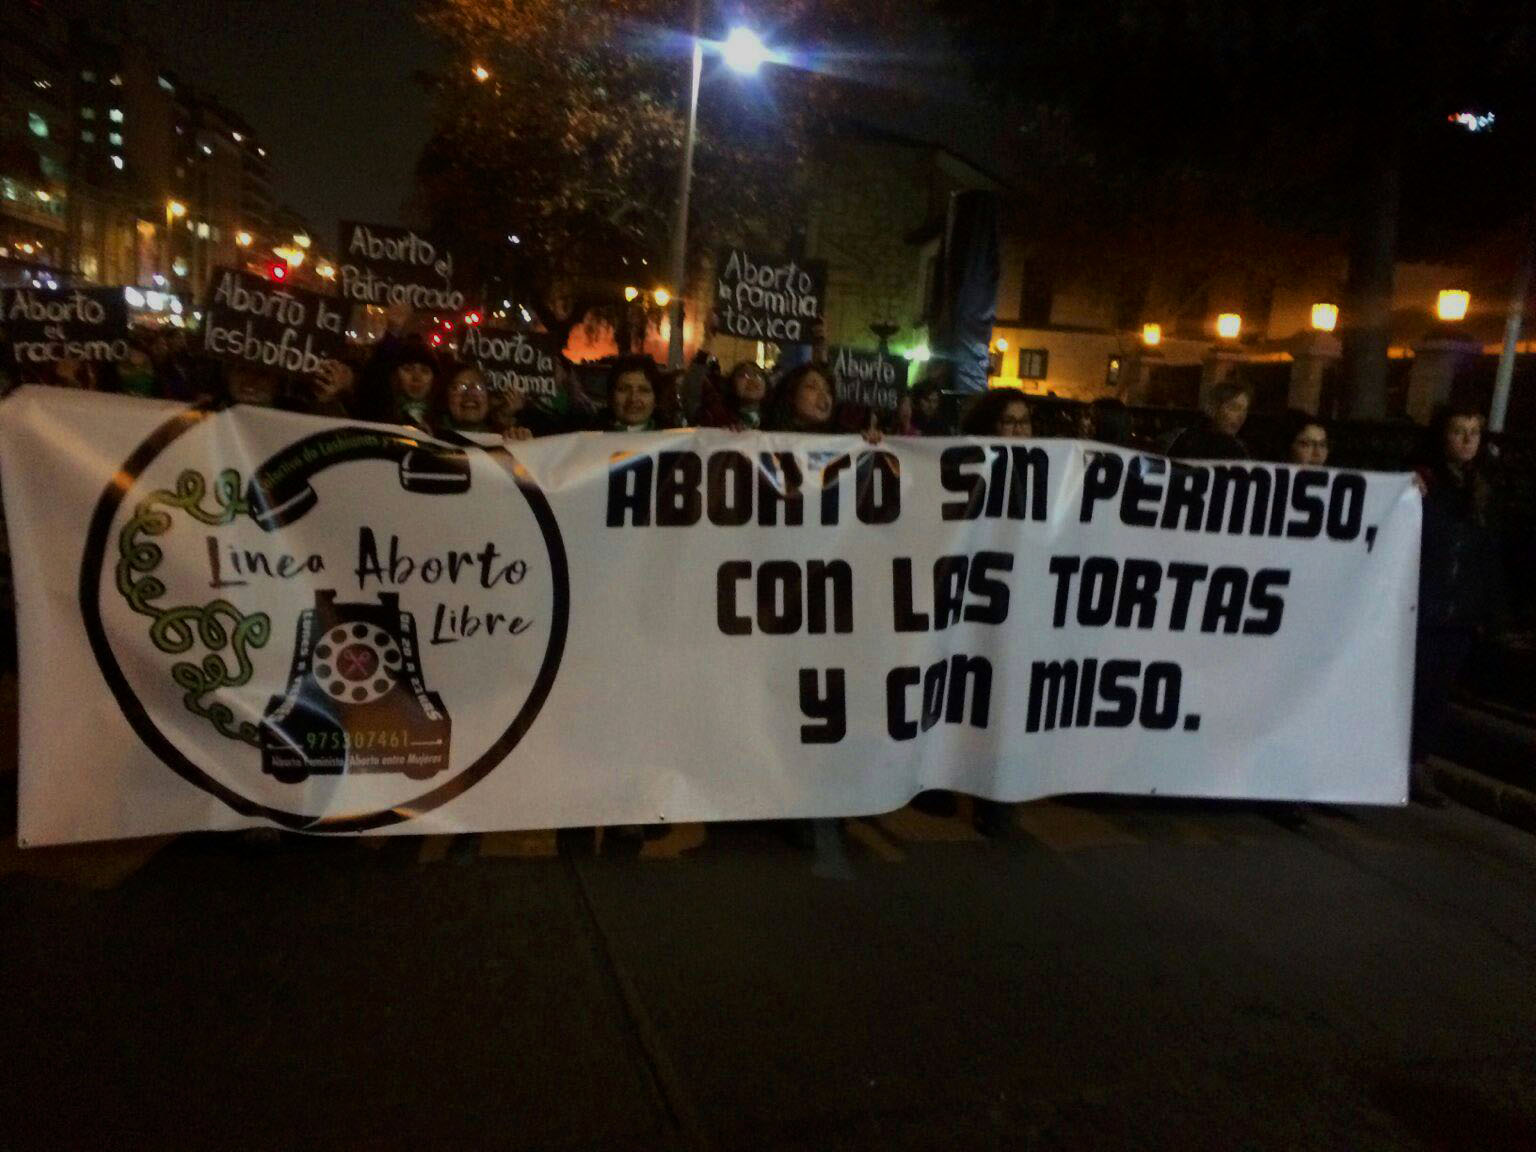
[1100,975]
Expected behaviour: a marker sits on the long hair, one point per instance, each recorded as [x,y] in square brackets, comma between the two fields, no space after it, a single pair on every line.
[988,409]
[780,410]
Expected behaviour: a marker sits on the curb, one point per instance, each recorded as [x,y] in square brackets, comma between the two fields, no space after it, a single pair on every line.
[1486,794]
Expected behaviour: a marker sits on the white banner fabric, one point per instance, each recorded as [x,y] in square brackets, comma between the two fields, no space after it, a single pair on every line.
[240,617]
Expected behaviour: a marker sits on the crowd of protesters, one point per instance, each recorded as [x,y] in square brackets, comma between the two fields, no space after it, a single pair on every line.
[402,381]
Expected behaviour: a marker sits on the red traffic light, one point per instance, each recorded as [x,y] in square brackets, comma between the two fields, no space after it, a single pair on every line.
[437,338]
[472,318]
[279,271]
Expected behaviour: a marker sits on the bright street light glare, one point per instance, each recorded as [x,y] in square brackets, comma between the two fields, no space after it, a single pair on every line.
[744,51]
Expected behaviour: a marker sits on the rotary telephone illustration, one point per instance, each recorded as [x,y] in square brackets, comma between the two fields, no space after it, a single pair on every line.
[356,700]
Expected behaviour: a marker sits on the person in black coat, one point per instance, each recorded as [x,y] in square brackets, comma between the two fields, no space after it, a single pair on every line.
[1215,435]
[1460,566]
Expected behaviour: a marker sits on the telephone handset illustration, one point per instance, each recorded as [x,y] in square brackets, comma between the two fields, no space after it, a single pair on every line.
[280,491]
[356,700]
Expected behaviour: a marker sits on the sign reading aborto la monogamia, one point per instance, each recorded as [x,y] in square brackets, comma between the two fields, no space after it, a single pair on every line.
[513,361]
[44,325]
[767,298]
[249,320]
[383,265]
[240,616]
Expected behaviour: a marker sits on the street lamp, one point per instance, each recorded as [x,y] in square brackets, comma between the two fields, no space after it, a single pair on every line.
[1229,325]
[1151,335]
[745,52]
[481,73]
[631,293]
[1452,305]
[243,238]
[662,297]
[1325,317]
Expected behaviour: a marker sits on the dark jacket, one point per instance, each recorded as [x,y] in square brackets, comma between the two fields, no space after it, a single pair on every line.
[1461,578]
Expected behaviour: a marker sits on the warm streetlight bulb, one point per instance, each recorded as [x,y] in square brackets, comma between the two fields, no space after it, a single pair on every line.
[325,271]
[481,73]
[662,297]
[1229,325]
[1151,335]
[1453,304]
[1325,317]
[1001,344]
[301,239]
[744,51]
[631,293]
[243,239]
[176,208]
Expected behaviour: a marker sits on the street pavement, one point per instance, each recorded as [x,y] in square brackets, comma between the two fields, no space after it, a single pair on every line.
[1097,974]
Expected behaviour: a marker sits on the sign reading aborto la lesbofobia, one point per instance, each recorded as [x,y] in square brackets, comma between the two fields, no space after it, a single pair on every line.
[774,299]
[384,265]
[251,321]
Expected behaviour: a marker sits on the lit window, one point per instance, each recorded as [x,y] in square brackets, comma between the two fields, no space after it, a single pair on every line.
[87,113]
[115,138]
[115,115]
[116,81]
[202,230]
[117,162]
[165,84]
[38,126]
[239,139]
[42,85]
[207,151]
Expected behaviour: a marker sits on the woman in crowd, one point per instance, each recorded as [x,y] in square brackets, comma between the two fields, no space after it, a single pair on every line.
[1111,422]
[903,421]
[136,373]
[412,381]
[1306,440]
[254,386]
[330,391]
[466,401]
[737,401]
[998,412]
[1460,568]
[1215,435]
[803,402]
[928,409]
[632,395]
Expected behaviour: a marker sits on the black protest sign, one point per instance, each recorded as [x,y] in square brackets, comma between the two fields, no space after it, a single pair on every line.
[776,300]
[43,326]
[513,361]
[875,380]
[251,321]
[383,265]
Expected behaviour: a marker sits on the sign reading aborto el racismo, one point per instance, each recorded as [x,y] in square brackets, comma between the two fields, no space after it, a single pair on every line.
[44,325]
[384,265]
[241,616]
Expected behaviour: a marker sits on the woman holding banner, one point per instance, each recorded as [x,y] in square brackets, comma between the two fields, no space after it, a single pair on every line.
[632,384]
[804,402]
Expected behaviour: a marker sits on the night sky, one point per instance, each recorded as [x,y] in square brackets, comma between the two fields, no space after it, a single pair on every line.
[326,84]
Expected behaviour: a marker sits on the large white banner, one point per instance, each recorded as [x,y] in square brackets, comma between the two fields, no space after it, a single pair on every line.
[247,616]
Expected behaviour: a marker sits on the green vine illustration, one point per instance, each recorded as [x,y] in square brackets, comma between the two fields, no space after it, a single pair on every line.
[217,624]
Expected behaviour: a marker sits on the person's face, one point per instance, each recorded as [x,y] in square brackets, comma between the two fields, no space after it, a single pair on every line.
[1014,420]
[1231,413]
[1463,437]
[813,399]
[928,405]
[1310,447]
[750,387]
[468,400]
[634,400]
[248,387]
[414,381]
